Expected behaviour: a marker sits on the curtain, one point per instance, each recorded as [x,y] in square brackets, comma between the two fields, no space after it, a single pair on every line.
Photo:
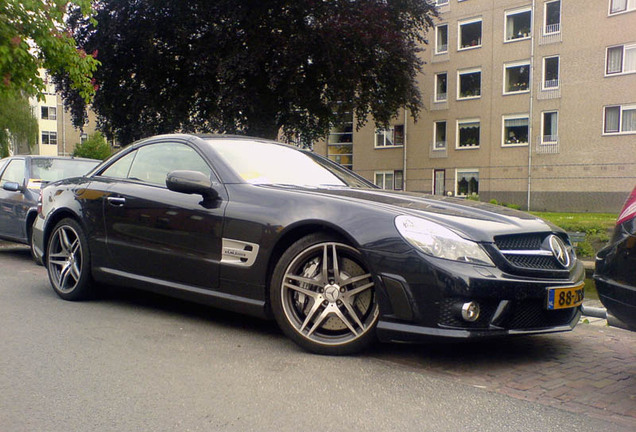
[629,120]
[615,60]
[618,6]
[630,59]
[612,116]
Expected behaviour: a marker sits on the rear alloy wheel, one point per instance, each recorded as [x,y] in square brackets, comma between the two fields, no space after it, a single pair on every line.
[323,296]
[68,262]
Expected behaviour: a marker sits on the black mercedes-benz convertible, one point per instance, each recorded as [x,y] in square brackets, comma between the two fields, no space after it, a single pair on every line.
[267,229]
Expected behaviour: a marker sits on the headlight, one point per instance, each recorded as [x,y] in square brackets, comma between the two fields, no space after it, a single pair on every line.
[440,242]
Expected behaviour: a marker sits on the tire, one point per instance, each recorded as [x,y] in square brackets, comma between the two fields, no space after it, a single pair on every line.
[34,257]
[68,261]
[325,305]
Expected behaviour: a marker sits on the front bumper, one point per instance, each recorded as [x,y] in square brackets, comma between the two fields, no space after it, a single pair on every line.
[38,240]
[421,304]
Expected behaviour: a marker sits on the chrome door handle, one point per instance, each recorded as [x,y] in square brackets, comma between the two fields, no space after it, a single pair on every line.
[116,201]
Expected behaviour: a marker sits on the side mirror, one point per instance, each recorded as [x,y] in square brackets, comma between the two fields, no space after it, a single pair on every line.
[191,182]
[11,186]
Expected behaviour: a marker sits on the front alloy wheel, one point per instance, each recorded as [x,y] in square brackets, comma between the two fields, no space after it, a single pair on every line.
[67,261]
[323,296]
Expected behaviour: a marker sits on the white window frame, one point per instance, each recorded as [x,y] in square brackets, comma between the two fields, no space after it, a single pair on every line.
[394,175]
[49,134]
[543,81]
[545,17]
[626,46]
[517,12]
[435,94]
[51,113]
[383,132]
[457,137]
[556,137]
[441,2]
[437,38]
[629,7]
[435,148]
[621,108]
[459,87]
[503,130]
[507,66]
[459,171]
[459,33]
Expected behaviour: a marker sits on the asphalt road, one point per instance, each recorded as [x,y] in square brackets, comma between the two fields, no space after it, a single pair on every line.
[131,361]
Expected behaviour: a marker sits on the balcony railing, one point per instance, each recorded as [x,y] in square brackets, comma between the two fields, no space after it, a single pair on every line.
[437,104]
[438,150]
[549,89]
[551,34]
[548,144]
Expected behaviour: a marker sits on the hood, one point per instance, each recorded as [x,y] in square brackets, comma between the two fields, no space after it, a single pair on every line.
[471,219]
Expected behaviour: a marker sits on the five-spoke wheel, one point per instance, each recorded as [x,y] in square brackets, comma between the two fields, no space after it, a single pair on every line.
[67,261]
[323,296]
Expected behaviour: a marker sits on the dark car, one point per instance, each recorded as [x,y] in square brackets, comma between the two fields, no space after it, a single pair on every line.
[270,230]
[20,180]
[615,273]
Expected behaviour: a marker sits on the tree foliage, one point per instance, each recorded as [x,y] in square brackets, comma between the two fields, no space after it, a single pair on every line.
[17,123]
[32,36]
[95,147]
[251,66]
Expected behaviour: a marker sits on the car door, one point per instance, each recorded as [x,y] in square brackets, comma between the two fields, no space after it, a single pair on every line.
[13,204]
[153,232]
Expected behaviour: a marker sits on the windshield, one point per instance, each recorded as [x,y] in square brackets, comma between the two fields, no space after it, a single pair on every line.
[270,163]
[49,170]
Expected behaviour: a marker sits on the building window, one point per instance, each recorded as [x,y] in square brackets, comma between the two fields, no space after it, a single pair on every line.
[49,113]
[550,72]
[441,87]
[469,34]
[391,137]
[49,138]
[620,6]
[467,182]
[517,78]
[340,140]
[518,24]
[552,17]
[550,127]
[392,180]
[441,39]
[441,2]
[469,84]
[439,135]
[83,138]
[468,133]
[620,119]
[515,130]
[621,59]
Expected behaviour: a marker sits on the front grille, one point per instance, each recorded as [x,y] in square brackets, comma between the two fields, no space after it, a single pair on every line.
[520,242]
[534,262]
[528,251]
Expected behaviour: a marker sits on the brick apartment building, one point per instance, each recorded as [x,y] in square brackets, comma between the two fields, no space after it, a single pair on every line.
[526,102]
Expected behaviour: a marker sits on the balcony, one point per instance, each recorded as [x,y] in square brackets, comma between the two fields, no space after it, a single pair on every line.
[548,144]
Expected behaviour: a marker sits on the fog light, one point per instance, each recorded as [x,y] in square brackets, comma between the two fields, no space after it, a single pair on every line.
[470,311]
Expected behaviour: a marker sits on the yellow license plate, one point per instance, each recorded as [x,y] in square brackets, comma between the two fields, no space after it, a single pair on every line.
[565,297]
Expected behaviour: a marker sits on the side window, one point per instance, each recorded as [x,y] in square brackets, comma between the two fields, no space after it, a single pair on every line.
[13,173]
[121,167]
[154,161]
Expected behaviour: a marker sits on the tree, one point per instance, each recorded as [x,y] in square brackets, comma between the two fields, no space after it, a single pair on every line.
[17,123]
[33,36]
[251,66]
[95,147]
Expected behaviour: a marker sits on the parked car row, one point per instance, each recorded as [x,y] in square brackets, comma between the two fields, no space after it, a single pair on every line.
[270,230]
